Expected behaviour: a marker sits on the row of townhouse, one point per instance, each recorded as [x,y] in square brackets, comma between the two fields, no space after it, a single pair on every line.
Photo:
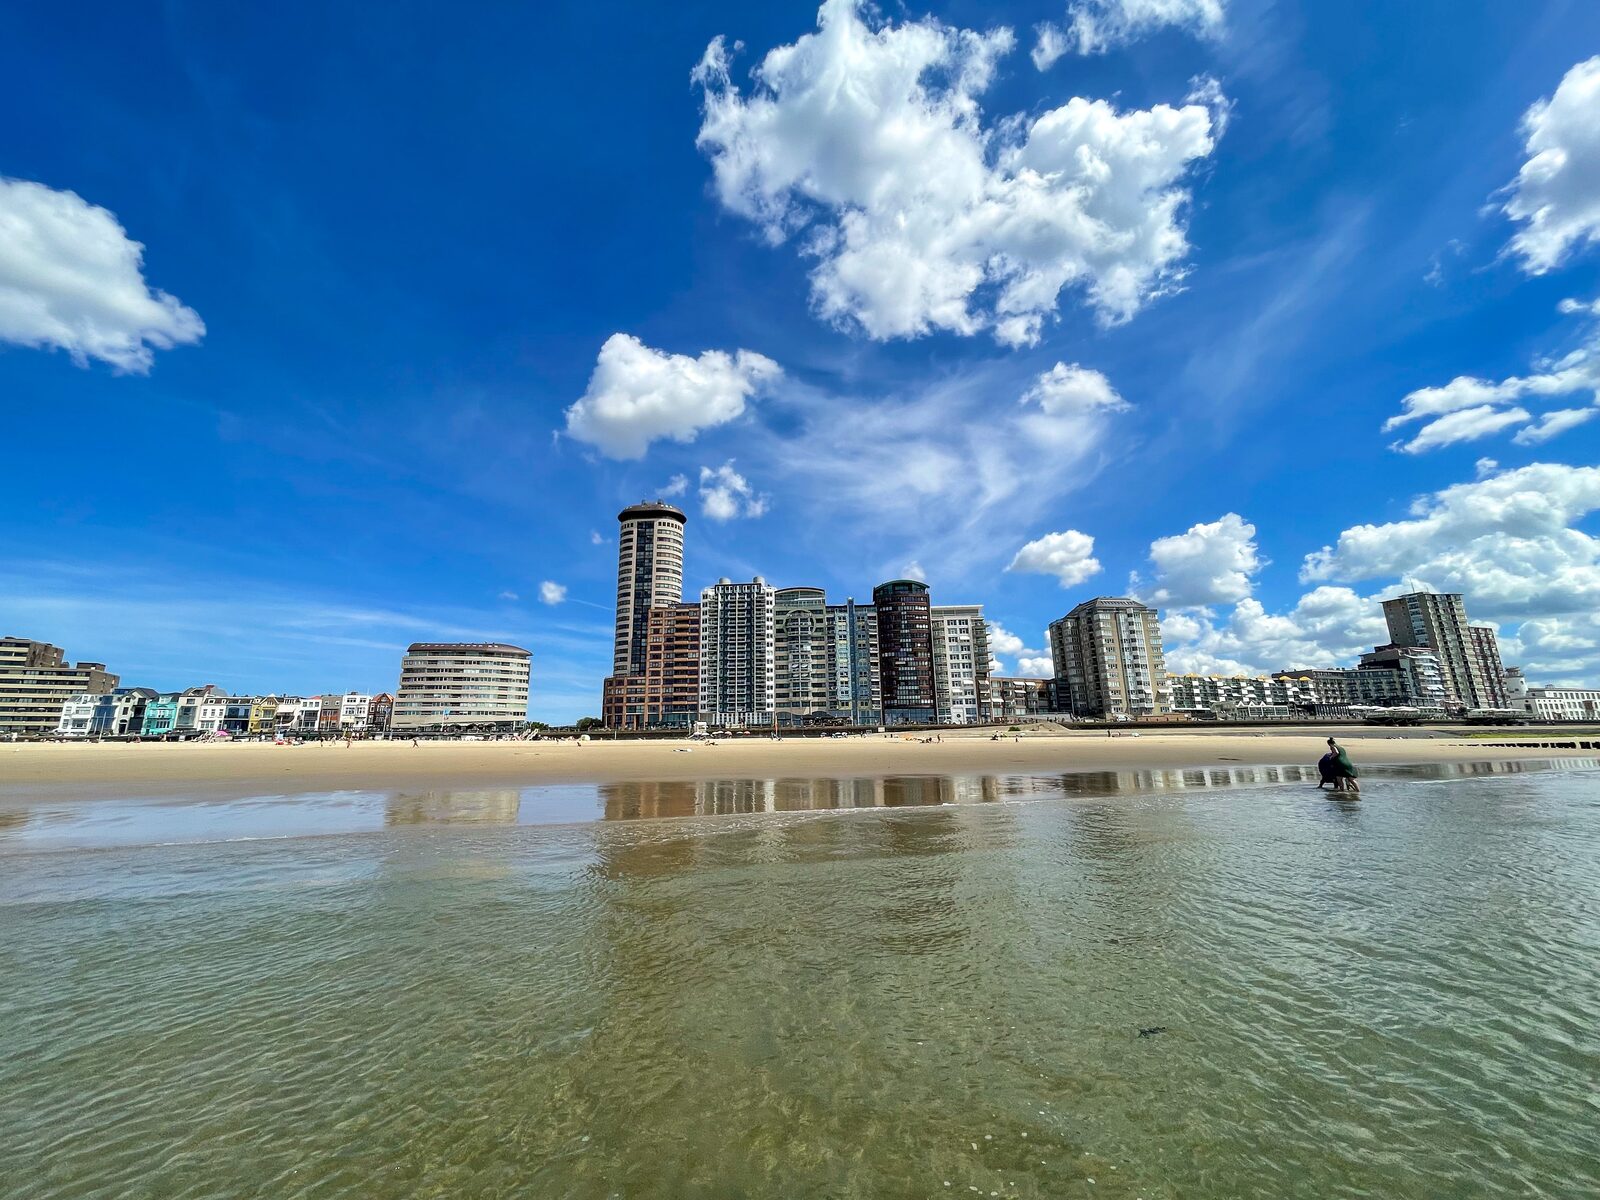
[209,711]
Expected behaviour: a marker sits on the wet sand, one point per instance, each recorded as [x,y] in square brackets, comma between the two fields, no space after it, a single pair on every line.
[87,770]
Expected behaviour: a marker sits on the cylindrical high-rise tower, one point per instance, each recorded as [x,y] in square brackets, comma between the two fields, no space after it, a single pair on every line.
[649,575]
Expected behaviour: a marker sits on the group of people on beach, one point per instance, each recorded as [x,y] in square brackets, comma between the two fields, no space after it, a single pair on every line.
[1336,768]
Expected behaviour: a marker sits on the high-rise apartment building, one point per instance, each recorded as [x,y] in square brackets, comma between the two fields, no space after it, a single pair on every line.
[36,681]
[649,575]
[905,652]
[853,657]
[1485,643]
[1437,621]
[1108,659]
[672,666]
[446,684]
[738,653]
[802,653]
[960,663]
[666,695]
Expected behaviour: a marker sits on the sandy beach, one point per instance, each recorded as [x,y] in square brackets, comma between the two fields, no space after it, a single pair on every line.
[87,770]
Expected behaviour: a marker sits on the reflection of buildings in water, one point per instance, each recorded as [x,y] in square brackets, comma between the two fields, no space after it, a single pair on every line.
[949,789]
[496,807]
[633,801]
[734,797]
[812,795]
[1108,783]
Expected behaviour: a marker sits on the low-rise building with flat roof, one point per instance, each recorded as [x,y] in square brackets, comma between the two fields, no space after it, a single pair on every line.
[36,681]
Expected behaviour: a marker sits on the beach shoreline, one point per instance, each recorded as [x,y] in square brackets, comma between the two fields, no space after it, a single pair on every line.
[30,771]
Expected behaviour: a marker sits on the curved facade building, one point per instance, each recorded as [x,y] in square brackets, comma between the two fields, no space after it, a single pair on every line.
[444,684]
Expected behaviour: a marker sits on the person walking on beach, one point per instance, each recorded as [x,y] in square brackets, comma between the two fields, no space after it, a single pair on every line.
[1344,771]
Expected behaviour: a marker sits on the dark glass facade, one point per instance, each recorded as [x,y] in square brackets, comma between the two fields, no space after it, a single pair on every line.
[905,651]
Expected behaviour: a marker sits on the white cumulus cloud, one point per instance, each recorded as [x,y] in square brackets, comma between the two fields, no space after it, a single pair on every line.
[551,592]
[1508,541]
[676,486]
[1095,26]
[1212,563]
[71,279]
[1553,424]
[1003,641]
[1467,408]
[638,395]
[1068,555]
[1328,626]
[726,494]
[868,146]
[1556,195]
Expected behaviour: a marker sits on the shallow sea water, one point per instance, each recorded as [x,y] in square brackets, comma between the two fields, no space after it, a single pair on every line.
[931,988]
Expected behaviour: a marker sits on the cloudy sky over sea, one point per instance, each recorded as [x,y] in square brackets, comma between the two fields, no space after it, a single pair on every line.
[326,328]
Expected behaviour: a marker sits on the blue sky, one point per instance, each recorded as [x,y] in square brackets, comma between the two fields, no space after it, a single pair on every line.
[1041,301]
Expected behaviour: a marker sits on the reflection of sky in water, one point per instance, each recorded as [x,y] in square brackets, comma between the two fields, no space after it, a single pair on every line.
[1383,997]
[92,824]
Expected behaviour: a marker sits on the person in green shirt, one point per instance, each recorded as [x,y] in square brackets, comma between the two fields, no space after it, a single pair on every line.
[1343,769]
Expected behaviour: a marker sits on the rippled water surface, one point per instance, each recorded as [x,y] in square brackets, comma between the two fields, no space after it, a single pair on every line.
[1391,997]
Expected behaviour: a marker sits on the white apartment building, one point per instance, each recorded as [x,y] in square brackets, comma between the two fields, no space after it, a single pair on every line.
[1108,659]
[212,713]
[353,710]
[297,714]
[1209,693]
[738,654]
[445,684]
[1563,704]
[111,714]
[960,663]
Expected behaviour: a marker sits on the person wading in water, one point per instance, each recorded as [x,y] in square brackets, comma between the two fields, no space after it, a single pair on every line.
[1336,764]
